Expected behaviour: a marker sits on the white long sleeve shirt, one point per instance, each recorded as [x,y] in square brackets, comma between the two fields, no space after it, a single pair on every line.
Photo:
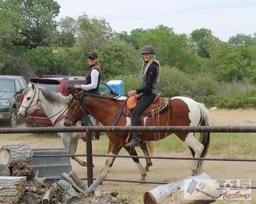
[94,81]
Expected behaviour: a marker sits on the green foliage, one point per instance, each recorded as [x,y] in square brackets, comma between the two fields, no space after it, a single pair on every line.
[174,82]
[200,66]
[118,58]
[172,49]
[201,38]
[242,40]
[92,33]
[37,19]
[10,24]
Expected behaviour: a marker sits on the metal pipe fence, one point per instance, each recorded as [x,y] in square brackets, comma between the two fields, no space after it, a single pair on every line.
[89,129]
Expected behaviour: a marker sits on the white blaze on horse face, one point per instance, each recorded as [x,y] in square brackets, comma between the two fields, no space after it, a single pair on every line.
[29,103]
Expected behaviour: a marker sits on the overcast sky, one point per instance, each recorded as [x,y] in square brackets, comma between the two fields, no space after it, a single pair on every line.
[225,18]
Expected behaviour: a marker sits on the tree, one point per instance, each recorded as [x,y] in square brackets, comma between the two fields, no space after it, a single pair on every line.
[67,30]
[201,38]
[242,40]
[172,49]
[38,17]
[119,58]
[92,33]
[10,26]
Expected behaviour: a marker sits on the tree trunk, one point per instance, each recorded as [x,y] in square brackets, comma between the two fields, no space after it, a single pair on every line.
[10,154]
[199,189]
[11,189]
[48,195]
[65,191]
[4,170]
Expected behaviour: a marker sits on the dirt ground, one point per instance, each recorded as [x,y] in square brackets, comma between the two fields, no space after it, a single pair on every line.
[163,170]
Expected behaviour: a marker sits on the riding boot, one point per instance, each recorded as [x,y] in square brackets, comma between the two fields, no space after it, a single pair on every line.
[135,141]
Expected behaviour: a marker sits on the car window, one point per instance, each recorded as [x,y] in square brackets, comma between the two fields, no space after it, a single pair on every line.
[7,85]
[22,83]
[50,84]
[105,89]
[17,86]
[71,84]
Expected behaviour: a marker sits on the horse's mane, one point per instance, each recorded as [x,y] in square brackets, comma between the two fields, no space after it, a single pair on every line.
[53,97]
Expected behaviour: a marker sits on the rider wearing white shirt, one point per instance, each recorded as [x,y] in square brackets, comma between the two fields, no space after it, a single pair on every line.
[91,85]
[93,76]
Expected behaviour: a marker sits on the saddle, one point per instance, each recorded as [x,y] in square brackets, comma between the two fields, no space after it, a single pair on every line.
[157,106]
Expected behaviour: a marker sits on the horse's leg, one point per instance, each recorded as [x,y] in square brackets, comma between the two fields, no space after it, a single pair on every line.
[132,152]
[116,153]
[70,143]
[146,154]
[198,148]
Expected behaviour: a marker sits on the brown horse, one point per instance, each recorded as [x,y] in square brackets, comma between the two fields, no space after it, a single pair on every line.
[181,111]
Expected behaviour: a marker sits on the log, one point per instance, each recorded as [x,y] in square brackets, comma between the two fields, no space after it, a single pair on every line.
[10,154]
[4,170]
[76,179]
[22,169]
[11,189]
[70,180]
[185,191]
[66,192]
[48,195]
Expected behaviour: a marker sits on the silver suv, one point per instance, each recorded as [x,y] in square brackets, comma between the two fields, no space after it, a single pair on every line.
[11,90]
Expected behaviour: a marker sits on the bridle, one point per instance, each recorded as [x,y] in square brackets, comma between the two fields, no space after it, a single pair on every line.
[27,112]
[84,109]
[77,109]
[38,103]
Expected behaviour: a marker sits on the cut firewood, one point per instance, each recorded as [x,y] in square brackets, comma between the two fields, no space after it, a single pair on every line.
[10,154]
[48,195]
[72,182]
[185,191]
[4,170]
[11,188]
[76,179]
[66,191]
[22,169]
[94,185]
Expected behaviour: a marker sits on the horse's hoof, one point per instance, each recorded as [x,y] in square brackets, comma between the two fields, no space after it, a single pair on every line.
[195,173]
[147,167]
[143,177]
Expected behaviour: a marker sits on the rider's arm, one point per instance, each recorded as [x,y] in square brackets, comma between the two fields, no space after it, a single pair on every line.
[151,77]
[94,81]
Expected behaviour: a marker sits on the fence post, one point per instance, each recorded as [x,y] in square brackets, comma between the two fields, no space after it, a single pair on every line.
[89,158]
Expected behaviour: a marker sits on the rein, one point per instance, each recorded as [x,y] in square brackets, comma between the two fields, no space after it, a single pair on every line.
[61,116]
[26,107]
[118,115]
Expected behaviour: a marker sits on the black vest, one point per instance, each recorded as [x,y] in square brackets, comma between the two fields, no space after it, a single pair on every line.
[88,79]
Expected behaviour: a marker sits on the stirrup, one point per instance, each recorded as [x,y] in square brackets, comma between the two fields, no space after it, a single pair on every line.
[133,143]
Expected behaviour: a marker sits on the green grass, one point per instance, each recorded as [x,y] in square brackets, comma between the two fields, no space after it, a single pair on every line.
[221,144]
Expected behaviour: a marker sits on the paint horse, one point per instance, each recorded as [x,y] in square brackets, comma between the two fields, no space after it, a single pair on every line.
[55,106]
[181,111]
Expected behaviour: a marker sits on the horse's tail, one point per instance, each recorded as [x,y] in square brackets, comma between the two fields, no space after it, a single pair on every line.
[204,136]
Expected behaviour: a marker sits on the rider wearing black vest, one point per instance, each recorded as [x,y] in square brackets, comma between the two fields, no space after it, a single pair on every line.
[92,81]
[93,76]
[147,93]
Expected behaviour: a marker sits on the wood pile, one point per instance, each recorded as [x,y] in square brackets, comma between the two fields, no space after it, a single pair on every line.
[20,184]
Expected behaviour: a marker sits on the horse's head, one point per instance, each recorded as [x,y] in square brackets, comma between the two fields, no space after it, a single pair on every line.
[30,101]
[75,111]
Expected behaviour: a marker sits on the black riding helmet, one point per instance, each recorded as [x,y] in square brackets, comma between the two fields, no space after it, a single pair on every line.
[92,55]
[148,49]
